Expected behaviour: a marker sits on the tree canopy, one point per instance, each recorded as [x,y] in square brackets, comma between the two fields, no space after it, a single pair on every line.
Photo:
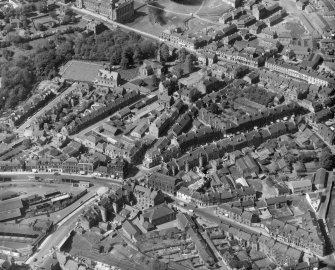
[20,75]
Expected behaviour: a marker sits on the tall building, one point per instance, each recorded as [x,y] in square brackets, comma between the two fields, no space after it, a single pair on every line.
[234,3]
[259,11]
[116,10]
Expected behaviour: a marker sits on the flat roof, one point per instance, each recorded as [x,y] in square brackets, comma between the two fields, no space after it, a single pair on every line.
[10,205]
[10,214]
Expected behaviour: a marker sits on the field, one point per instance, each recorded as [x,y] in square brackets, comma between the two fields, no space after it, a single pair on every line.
[80,71]
[213,9]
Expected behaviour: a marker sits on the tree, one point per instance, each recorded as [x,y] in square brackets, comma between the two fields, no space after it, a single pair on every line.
[214,108]
[138,55]
[177,71]
[327,159]
[26,46]
[66,19]
[188,64]
[182,54]
[40,27]
[8,28]
[41,7]
[155,80]
[164,52]
[7,54]
[27,143]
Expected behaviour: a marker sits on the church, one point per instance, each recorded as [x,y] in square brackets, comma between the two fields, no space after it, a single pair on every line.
[116,10]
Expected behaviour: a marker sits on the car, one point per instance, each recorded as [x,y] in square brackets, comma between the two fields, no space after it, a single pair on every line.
[56,173]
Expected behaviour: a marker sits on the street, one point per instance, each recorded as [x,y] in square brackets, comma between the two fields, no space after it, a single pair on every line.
[42,111]
[208,213]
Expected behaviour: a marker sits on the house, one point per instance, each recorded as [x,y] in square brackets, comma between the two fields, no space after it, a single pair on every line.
[276,202]
[321,178]
[131,230]
[70,165]
[108,78]
[158,215]
[117,168]
[184,194]
[247,166]
[140,130]
[248,218]
[147,197]
[302,186]
[163,182]
[327,133]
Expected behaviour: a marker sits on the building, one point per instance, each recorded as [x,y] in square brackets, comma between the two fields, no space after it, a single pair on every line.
[247,166]
[234,3]
[166,183]
[10,209]
[70,165]
[302,186]
[116,10]
[158,215]
[140,130]
[117,168]
[147,197]
[130,230]
[107,78]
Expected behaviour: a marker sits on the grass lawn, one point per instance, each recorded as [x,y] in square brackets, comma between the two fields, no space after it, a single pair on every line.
[196,25]
[188,6]
[214,8]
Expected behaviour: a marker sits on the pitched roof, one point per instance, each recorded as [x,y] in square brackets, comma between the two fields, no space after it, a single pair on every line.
[157,212]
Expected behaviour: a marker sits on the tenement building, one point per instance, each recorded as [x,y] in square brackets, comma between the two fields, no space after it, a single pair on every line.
[116,10]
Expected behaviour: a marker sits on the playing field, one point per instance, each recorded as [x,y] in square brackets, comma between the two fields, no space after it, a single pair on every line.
[80,71]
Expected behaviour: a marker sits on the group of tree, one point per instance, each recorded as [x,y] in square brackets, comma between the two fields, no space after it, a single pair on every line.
[20,75]
[118,47]
[156,13]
